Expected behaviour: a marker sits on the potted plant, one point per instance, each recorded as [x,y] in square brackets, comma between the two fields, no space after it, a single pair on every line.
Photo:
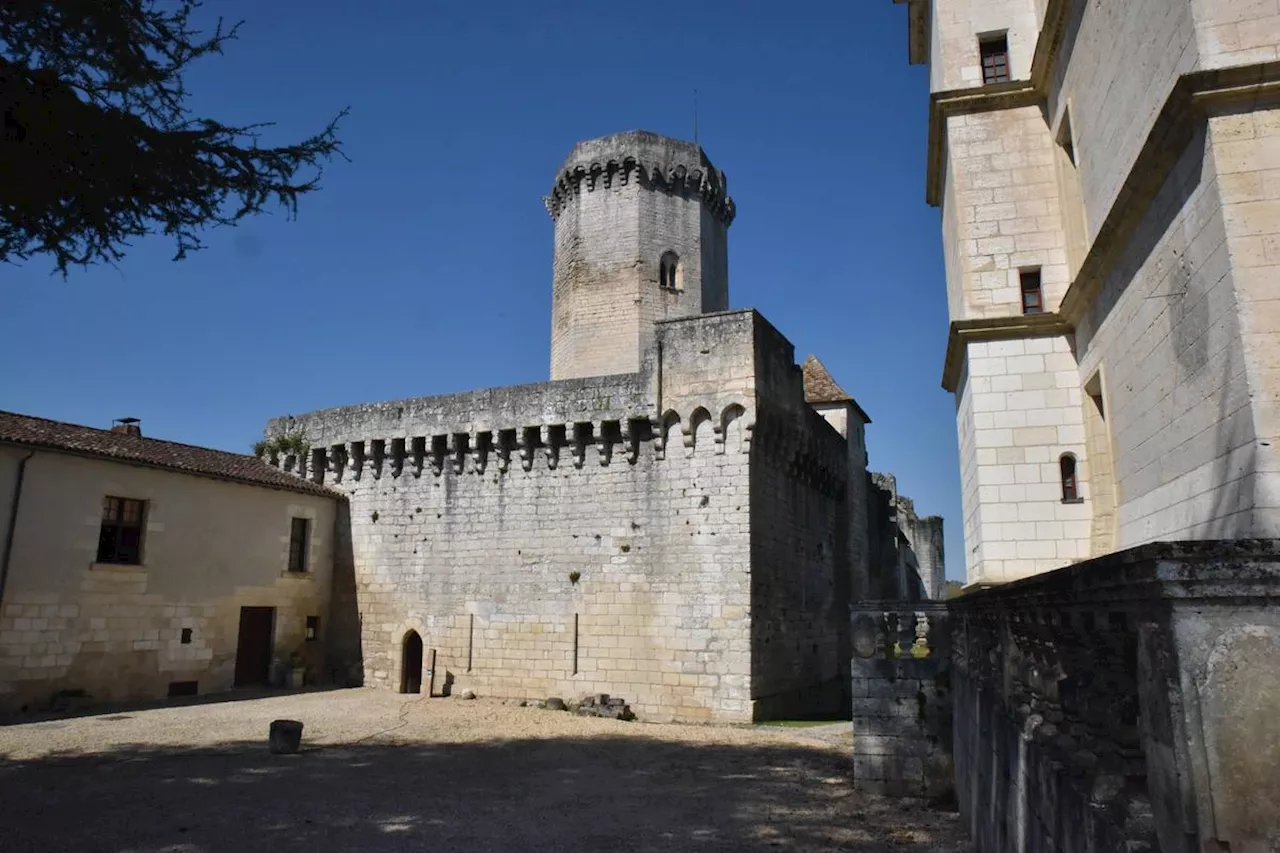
[297,669]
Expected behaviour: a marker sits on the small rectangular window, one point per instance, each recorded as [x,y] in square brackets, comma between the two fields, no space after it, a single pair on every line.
[120,537]
[994,51]
[1032,297]
[313,628]
[299,533]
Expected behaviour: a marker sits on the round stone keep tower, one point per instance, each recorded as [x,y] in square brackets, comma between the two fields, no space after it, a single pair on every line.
[642,226]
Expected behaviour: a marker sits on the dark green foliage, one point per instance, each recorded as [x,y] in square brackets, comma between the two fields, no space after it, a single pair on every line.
[98,146]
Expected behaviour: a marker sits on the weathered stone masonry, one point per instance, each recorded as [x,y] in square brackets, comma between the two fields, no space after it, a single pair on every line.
[670,520]
[472,515]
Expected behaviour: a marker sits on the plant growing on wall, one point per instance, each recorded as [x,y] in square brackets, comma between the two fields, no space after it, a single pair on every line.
[294,443]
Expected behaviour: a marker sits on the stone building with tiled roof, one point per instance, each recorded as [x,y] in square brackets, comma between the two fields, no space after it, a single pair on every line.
[133,568]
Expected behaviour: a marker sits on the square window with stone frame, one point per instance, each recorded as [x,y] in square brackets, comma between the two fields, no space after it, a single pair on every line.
[994,51]
[120,536]
[299,534]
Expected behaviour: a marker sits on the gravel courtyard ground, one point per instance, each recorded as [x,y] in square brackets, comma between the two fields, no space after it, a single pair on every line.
[379,773]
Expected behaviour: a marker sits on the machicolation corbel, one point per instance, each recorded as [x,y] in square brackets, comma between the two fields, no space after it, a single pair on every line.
[357,459]
[397,456]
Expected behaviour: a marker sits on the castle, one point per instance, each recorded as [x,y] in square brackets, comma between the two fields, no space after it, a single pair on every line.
[1107,180]
[681,516]
[1107,176]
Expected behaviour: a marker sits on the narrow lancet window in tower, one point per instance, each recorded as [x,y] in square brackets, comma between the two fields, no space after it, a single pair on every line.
[669,272]
[1070,488]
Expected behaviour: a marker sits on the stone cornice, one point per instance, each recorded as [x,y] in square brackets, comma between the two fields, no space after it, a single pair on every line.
[1001,96]
[1049,42]
[917,30]
[964,332]
[979,99]
[1192,95]
[677,178]
[1226,571]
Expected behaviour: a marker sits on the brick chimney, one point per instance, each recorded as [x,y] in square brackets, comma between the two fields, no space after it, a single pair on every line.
[127,426]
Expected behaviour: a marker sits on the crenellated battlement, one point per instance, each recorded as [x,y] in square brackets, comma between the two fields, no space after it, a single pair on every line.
[653,161]
[543,445]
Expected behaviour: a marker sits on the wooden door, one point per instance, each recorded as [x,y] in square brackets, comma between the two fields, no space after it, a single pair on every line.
[411,664]
[253,649]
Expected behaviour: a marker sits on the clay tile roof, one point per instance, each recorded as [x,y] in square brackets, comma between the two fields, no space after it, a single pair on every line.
[820,388]
[151,452]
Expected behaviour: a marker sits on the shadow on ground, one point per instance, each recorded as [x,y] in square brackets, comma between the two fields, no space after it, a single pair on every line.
[100,709]
[599,794]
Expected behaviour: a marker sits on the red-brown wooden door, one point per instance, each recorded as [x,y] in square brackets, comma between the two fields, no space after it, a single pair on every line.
[253,648]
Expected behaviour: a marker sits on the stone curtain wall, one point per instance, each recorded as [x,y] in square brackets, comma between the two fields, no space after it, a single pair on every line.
[474,540]
[482,564]
[901,699]
[592,536]
[1125,703]
[800,577]
[801,573]
[926,538]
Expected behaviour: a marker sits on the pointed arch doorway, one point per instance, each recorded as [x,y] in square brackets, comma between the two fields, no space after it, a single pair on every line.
[411,663]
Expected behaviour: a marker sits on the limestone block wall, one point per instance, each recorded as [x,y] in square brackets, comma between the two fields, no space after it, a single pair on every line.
[1118,64]
[1023,405]
[800,578]
[850,425]
[586,535]
[1231,32]
[115,632]
[603,575]
[1166,334]
[926,539]
[857,495]
[1003,191]
[967,437]
[954,61]
[1246,152]
[596,284]
[620,203]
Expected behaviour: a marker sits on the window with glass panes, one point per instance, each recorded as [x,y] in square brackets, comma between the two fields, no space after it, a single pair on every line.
[298,535]
[120,537]
[995,59]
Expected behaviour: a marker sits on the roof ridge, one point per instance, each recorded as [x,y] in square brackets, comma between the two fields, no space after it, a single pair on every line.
[126,435]
[819,385]
[160,453]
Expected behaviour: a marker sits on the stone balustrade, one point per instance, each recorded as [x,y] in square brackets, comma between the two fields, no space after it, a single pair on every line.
[901,698]
[1126,703]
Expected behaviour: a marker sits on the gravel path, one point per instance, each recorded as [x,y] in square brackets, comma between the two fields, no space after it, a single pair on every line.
[382,773]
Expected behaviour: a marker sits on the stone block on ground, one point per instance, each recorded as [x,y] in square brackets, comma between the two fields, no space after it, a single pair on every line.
[605,706]
[285,737]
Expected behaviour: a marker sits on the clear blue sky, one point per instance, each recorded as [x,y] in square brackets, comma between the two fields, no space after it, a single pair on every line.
[424,265]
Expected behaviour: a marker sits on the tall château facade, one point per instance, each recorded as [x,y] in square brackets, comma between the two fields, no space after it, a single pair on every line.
[679,517]
[1109,180]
